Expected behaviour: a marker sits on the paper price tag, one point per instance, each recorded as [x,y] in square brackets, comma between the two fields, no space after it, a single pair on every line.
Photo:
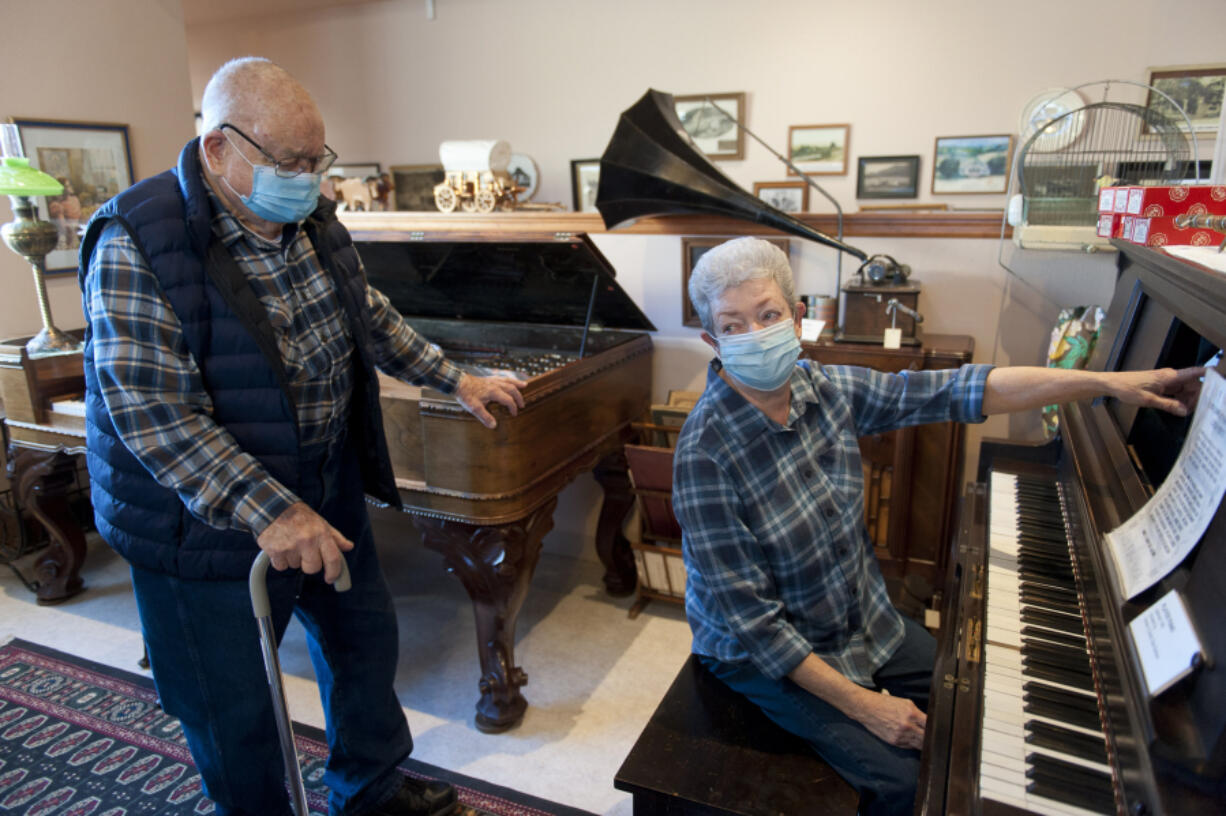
[893,338]
[810,330]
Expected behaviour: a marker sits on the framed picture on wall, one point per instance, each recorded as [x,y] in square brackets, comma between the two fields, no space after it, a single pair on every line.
[414,185]
[691,250]
[971,164]
[93,161]
[819,150]
[789,196]
[887,176]
[1195,88]
[584,183]
[711,128]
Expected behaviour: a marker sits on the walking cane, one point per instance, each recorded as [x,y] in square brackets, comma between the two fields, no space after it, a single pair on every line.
[272,666]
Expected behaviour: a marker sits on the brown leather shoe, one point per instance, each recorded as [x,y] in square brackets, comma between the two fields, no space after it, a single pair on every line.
[418,797]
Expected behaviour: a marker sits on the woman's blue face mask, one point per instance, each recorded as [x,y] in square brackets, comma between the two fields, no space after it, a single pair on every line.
[763,359]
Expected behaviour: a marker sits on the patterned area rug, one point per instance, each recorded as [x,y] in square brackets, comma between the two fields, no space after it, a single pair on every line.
[81,739]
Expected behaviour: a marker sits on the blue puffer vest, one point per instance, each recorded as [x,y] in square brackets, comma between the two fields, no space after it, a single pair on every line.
[229,336]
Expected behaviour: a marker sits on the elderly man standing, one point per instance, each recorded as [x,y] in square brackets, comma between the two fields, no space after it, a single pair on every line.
[784,595]
[232,406]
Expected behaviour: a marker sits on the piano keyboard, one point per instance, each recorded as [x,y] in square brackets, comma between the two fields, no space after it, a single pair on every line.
[1041,740]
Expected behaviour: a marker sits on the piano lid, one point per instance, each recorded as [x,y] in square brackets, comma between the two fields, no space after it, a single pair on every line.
[525,281]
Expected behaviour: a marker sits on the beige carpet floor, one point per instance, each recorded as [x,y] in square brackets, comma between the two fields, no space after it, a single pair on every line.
[594,675]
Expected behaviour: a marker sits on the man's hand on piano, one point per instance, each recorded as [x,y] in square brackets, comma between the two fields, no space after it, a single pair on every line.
[299,538]
[474,393]
[1166,389]
[895,720]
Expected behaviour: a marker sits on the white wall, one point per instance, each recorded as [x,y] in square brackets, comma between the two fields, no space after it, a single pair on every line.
[551,77]
[117,61]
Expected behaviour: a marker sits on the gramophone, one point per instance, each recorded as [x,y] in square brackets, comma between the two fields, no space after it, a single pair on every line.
[652,167]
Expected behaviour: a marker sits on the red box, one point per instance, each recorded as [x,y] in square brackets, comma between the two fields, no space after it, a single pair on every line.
[1161,231]
[1201,199]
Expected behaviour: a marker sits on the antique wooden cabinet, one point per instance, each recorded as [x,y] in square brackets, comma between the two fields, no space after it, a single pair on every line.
[911,476]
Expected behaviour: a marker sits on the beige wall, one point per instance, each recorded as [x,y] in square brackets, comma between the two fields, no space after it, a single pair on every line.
[121,61]
[551,77]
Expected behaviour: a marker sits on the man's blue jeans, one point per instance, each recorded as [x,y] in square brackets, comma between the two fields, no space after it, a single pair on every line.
[884,775]
[204,649]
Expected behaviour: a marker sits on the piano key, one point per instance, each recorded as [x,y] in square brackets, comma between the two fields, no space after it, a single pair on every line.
[1066,740]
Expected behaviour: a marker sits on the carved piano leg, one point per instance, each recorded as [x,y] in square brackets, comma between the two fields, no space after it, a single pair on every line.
[613,474]
[495,564]
[42,480]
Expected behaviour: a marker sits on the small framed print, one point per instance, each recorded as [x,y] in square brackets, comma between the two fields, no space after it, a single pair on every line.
[691,250]
[971,164]
[887,177]
[788,196]
[584,183]
[94,163]
[716,135]
[1195,88]
[819,150]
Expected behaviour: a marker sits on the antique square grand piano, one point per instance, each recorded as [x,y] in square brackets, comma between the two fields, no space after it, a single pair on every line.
[547,309]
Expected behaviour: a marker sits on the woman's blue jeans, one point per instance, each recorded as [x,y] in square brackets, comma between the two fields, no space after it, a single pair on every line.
[884,775]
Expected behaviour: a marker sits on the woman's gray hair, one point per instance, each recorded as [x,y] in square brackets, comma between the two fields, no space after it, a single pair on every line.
[732,263]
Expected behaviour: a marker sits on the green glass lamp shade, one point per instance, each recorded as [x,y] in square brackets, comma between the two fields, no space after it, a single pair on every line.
[18,178]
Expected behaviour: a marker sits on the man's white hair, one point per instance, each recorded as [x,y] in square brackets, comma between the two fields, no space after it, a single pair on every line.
[233,88]
[732,263]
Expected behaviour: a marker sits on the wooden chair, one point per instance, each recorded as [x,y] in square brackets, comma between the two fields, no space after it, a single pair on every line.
[658,556]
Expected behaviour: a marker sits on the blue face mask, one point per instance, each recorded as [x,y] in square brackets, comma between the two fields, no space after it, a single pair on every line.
[763,359]
[278,199]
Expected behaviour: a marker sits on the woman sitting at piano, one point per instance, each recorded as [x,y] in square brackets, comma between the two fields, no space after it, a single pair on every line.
[784,595]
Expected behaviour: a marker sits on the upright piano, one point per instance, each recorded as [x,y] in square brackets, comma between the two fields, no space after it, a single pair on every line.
[547,309]
[1039,702]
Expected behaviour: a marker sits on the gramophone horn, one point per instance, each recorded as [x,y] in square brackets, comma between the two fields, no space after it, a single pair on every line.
[652,167]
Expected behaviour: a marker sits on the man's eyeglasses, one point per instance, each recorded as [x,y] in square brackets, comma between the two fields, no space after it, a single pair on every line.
[288,168]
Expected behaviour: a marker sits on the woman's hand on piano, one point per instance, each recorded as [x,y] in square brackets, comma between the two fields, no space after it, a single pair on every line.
[474,393]
[895,720]
[300,538]
[1166,389]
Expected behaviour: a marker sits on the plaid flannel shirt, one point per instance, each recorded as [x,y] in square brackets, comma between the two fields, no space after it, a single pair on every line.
[154,392]
[778,561]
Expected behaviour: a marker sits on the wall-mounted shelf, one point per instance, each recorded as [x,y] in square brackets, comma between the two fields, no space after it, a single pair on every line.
[434,226]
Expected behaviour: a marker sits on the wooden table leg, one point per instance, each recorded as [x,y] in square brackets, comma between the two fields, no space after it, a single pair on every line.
[613,474]
[42,480]
[495,564]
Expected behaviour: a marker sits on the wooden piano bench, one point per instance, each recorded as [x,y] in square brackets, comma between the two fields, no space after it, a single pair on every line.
[708,750]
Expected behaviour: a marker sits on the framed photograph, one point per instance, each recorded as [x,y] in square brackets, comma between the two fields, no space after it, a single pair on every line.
[414,185]
[362,170]
[1195,88]
[789,196]
[819,150]
[91,159]
[887,176]
[971,164]
[691,250]
[716,135]
[584,183]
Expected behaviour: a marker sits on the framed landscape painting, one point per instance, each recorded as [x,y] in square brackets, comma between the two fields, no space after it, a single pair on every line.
[819,150]
[1195,88]
[887,177]
[971,164]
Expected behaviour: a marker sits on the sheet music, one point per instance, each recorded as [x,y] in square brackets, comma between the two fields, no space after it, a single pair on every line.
[1162,533]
